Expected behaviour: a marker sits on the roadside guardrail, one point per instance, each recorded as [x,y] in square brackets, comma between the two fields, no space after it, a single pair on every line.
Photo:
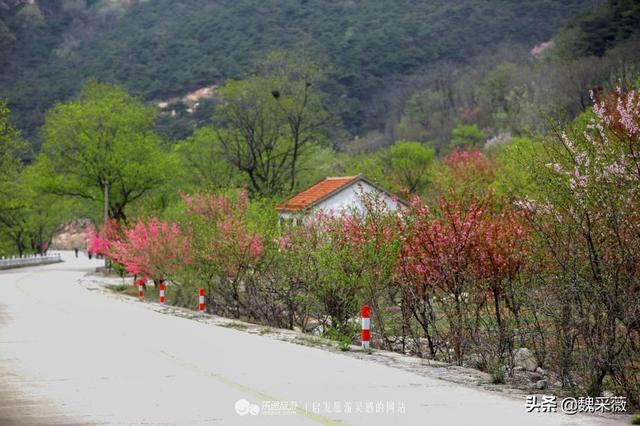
[30,260]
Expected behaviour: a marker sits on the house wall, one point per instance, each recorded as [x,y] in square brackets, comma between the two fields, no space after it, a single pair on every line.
[349,198]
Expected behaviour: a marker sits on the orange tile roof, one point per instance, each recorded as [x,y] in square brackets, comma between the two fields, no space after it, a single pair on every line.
[317,192]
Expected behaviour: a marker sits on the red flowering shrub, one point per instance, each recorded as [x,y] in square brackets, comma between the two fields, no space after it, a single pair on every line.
[225,251]
[335,262]
[153,249]
[469,171]
[453,258]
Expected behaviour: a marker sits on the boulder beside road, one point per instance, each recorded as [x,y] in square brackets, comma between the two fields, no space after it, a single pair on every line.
[525,359]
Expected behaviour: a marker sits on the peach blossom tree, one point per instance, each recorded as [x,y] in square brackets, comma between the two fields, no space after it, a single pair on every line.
[153,249]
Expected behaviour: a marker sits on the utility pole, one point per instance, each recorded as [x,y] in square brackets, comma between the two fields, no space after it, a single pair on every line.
[106,203]
[106,217]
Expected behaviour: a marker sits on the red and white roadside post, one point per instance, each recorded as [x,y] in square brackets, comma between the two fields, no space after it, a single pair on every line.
[141,283]
[366,326]
[162,287]
[201,301]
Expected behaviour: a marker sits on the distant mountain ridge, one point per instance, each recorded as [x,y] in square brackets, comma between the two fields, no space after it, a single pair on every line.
[159,49]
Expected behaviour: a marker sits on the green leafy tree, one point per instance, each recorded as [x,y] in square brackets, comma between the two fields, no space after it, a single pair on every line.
[204,165]
[33,217]
[403,166]
[411,163]
[271,121]
[427,116]
[12,148]
[495,92]
[466,136]
[375,166]
[101,139]
[516,162]
[29,17]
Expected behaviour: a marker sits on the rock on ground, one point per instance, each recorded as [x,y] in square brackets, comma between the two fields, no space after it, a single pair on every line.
[525,359]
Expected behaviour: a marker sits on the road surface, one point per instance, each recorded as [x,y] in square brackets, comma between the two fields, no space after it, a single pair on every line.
[73,356]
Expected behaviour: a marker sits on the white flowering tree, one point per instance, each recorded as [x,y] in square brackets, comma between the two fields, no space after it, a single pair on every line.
[587,215]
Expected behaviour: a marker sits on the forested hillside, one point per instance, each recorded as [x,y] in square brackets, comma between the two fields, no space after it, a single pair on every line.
[516,91]
[160,48]
[600,28]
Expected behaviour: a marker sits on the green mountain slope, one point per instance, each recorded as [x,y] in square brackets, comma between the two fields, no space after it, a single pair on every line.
[159,48]
[600,28]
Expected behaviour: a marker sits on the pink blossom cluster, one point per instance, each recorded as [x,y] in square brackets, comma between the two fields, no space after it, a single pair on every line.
[466,240]
[227,240]
[620,110]
[101,242]
[468,166]
[152,248]
[214,206]
[607,153]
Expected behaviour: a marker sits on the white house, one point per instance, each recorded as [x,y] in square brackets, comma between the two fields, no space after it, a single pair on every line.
[335,194]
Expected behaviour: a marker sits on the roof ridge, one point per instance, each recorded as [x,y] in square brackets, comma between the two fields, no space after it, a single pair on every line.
[341,177]
[317,192]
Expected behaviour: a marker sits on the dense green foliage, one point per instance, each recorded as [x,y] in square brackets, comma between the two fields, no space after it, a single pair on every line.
[102,139]
[160,48]
[12,148]
[204,166]
[599,29]
[28,217]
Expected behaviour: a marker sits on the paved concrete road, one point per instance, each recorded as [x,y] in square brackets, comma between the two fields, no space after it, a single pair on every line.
[73,356]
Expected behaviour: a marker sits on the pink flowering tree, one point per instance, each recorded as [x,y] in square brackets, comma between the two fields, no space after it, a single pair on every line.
[153,249]
[357,259]
[225,251]
[437,261]
[468,172]
[586,220]
[461,259]
[101,241]
[500,258]
[337,261]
